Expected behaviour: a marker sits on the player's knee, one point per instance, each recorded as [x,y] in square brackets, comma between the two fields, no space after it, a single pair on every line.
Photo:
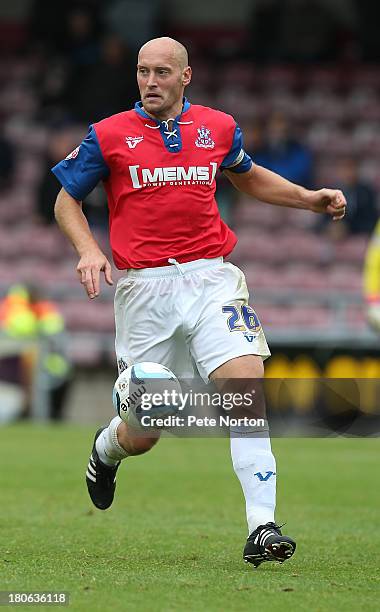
[253,367]
[244,367]
[139,445]
[244,388]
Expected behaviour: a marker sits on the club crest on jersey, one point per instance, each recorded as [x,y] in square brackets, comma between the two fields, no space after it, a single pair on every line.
[204,140]
[73,154]
[133,141]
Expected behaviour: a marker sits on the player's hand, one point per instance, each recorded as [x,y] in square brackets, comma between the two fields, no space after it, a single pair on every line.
[373,316]
[89,267]
[330,201]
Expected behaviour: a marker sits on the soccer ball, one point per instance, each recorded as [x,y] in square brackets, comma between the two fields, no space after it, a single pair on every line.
[146,392]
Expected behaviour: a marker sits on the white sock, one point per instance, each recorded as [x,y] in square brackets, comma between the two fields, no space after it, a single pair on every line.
[107,446]
[255,466]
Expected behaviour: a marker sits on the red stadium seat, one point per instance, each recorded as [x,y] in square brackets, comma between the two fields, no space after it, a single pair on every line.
[304,277]
[289,317]
[84,349]
[260,248]
[286,77]
[86,315]
[351,249]
[257,214]
[355,317]
[345,278]
[262,277]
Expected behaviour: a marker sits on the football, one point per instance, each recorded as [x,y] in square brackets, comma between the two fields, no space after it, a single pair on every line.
[146,392]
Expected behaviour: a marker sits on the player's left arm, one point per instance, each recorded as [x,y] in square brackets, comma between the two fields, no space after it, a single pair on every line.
[271,188]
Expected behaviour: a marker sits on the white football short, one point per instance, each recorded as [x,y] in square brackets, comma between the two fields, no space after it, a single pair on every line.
[188,317]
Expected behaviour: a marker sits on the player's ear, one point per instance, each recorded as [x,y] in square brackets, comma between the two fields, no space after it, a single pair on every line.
[186,76]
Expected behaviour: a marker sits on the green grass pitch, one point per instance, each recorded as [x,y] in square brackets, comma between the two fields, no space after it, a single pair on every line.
[173,539]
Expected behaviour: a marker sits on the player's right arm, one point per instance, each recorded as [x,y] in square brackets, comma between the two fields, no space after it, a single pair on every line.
[267,186]
[73,223]
[78,174]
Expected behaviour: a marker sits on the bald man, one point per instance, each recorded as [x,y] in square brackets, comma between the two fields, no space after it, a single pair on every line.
[179,303]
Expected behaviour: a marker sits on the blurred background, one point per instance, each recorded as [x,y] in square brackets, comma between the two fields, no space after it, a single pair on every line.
[302,79]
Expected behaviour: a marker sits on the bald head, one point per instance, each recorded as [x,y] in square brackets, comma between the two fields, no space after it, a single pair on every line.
[162,75]
[169,47]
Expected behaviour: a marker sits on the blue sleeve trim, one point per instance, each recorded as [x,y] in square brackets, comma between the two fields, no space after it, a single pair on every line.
[82,170]
[237,159]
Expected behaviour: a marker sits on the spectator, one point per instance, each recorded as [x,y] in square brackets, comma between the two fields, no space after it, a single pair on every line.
[367,30]
[45,26]
[25,314]
[282,153]
[310,31]
[70,30]
[61,143]
[226,197]
[372,279]
[115,71]
[81,35]
[295,30]
[7,161]
[135,20]
[67,43]
[361,213]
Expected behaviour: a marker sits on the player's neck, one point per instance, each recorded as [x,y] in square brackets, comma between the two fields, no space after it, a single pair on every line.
[170,113]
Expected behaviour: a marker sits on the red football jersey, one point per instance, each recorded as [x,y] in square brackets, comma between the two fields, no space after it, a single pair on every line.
[160,182]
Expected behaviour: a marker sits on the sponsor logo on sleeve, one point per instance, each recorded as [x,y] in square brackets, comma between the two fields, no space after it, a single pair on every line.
[73,154]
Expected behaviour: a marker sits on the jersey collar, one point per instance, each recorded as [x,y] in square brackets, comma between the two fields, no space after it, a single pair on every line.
[140,111]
